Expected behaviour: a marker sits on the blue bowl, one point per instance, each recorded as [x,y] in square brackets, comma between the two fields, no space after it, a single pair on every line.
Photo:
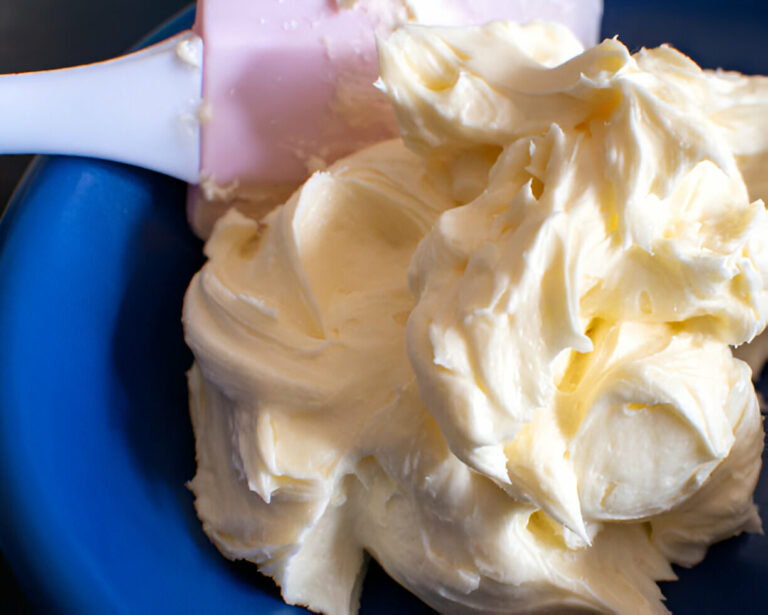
[95,438]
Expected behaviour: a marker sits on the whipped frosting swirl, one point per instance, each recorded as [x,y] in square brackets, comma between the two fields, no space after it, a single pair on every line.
[615,237]
[494,354]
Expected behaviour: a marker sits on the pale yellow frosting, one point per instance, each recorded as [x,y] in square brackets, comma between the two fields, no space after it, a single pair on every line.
[494,354]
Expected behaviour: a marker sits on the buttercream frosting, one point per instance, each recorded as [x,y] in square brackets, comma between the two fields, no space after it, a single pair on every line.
[495,354]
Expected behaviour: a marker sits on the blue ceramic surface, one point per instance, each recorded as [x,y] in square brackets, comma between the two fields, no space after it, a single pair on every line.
[95,440]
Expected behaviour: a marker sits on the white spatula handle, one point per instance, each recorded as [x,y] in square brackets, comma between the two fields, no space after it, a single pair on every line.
[141,109]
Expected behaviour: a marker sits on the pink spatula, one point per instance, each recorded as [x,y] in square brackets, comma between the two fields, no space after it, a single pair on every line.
[258,94]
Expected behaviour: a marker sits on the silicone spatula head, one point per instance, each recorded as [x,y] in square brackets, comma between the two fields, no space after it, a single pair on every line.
[260,94]
[288,84]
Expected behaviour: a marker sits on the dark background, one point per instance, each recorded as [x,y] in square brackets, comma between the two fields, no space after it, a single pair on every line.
[47,34]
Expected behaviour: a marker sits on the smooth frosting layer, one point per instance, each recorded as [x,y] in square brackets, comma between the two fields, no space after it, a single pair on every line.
[495,353]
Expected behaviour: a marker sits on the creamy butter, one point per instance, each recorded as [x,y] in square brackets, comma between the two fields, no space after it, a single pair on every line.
[495,353]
